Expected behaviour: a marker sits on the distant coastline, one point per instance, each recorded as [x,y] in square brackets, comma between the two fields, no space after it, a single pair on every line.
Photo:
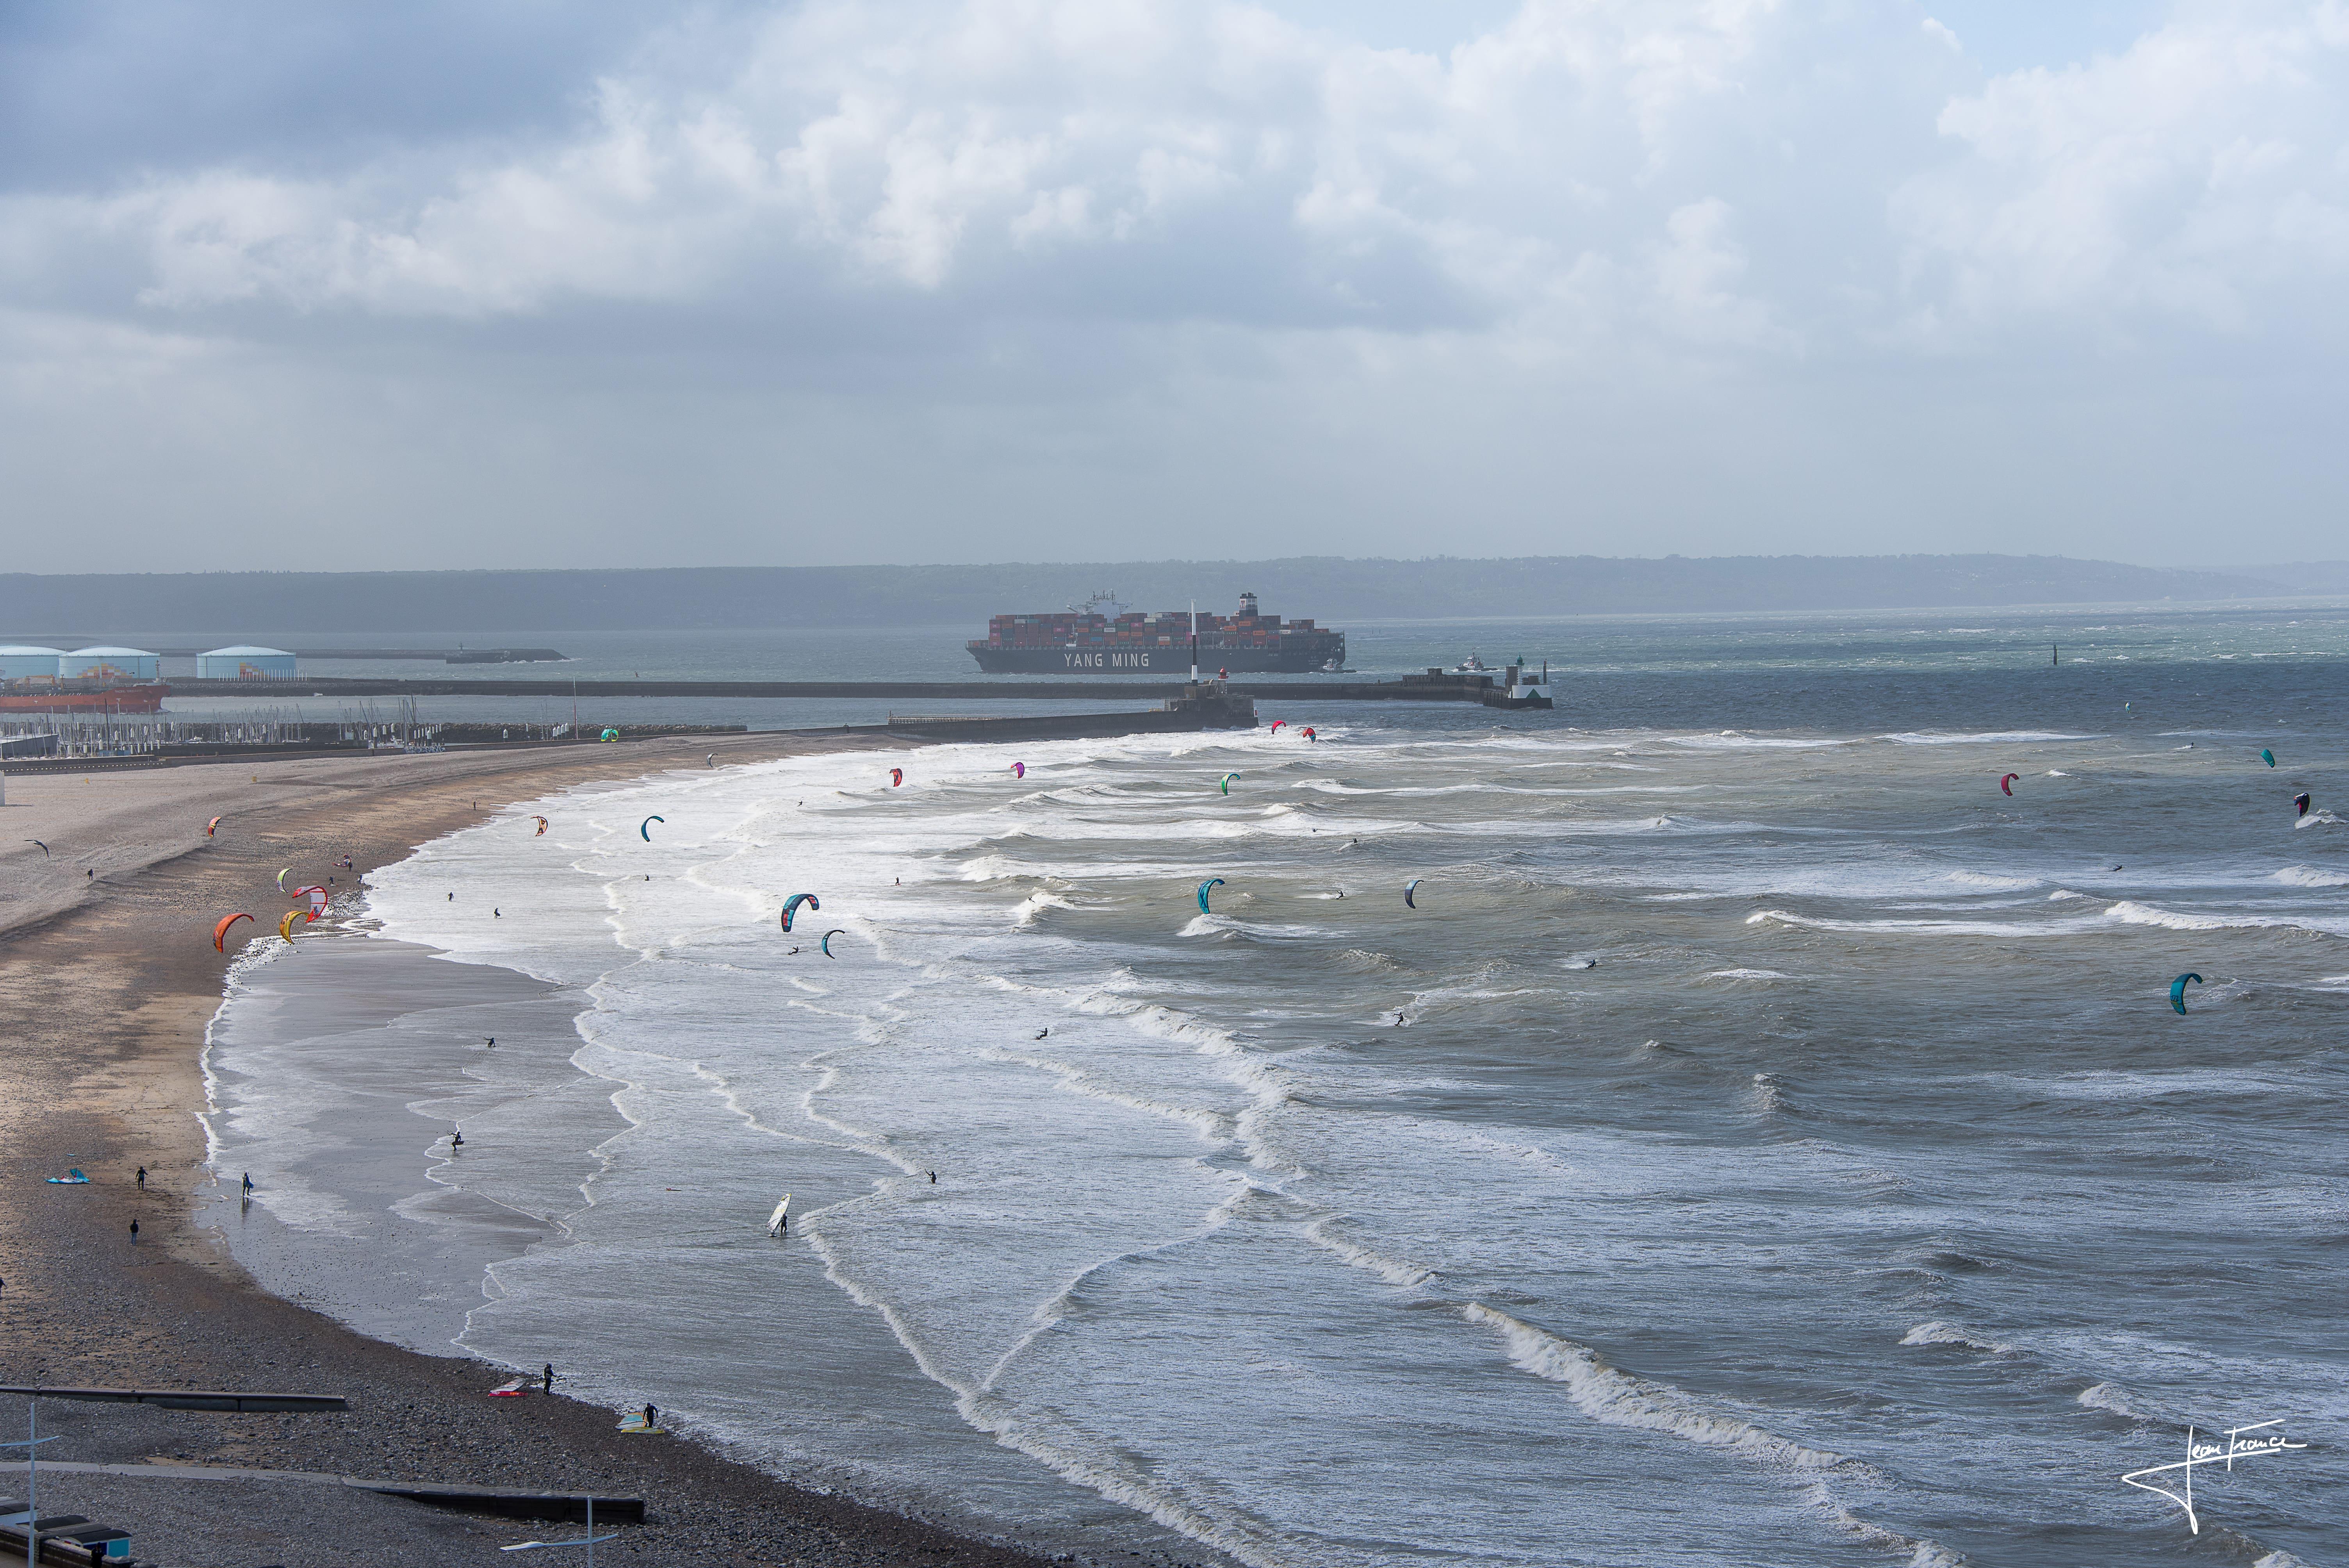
[1330,588]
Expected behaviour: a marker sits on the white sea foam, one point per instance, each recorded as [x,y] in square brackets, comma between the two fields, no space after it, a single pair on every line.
[1747,974]
[2309,876]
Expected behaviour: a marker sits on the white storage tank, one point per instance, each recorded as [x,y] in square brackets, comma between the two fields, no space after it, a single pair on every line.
[105,664]
[25,661]
[246,662]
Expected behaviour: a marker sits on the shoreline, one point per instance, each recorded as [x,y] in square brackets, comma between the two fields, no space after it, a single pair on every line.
[107,988]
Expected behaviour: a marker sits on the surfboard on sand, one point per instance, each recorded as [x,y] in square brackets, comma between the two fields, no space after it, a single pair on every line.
[514,1391]
[781,1217]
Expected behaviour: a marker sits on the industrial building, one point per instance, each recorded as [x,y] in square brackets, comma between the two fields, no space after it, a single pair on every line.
[24,662]
[244,663]
[107,663]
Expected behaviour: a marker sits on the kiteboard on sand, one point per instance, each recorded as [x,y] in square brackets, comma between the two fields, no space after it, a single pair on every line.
[514,1391]
[781,1219]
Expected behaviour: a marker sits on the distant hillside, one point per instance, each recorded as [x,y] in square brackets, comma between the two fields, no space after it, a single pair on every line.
[2303,576]
[1331,589]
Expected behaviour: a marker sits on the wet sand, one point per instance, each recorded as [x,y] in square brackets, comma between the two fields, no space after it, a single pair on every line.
[106,985]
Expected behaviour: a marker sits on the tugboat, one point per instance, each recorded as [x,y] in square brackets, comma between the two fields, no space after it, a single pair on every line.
[1471,665]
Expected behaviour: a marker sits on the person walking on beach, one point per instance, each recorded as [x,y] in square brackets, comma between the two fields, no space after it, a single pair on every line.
[248,1183]
[134,1233]
[143,1178]
[456,1141]
[652,1417]
[548,1376]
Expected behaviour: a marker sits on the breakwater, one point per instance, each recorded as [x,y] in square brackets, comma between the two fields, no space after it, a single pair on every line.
[1411,688]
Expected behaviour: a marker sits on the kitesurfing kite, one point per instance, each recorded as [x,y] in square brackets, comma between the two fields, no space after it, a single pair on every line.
[44,849]
[1275,725]
[1211,881]
[611,735]
[542,827]
[1227,782]
[215,823]
[317,897]
[2178,991]
[792,906]
[2267,756]
[285,926]
[1310,735]
[897,777]
[645,827]
[1409,888]
[826,943]
[282,876]
[1020,771]
[2300,800]
[219,932]
[2007,783]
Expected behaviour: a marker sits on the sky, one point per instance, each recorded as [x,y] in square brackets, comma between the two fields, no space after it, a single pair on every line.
[299,284]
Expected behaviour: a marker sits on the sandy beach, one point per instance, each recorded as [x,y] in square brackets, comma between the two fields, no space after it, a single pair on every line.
[107,982]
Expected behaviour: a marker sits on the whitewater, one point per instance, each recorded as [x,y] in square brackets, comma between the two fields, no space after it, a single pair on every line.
[1753,1147]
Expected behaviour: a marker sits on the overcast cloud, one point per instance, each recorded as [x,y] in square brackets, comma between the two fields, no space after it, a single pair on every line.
[504,283]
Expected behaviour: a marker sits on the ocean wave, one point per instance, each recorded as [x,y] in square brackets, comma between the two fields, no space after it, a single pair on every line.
[1027,909]
[2126,911]
[1747,974]
[2309,876]
[1950,1334]
[2106,1396]
[1618,1398]
[1984,737]
[2320,818]
[1994,883]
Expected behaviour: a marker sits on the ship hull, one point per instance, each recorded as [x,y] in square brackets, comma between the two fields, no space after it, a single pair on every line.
[1161,661]
[148,698]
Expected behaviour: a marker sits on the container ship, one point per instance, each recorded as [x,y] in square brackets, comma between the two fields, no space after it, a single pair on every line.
[1100,636]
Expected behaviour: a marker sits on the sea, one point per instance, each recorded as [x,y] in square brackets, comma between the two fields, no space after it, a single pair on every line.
[1835,1090]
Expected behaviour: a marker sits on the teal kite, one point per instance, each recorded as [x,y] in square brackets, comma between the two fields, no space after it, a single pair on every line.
[1227,782]
[2178,991]
[791,907]
[2267,756]
[1211,881]
[645,827]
